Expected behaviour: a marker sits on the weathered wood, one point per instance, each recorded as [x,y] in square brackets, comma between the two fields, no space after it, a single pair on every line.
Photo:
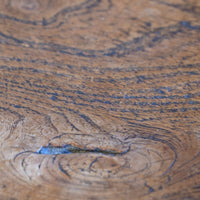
[99,99]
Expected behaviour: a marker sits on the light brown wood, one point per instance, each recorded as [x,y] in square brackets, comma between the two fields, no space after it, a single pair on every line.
[114,82]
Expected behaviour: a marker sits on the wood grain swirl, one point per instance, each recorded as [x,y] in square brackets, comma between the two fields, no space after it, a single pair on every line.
[99,99]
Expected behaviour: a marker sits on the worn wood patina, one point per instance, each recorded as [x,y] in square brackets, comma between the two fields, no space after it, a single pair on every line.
[99,99]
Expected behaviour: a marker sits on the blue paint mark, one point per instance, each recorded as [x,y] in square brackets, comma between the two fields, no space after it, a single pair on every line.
[67,149]
[160,91]
[50,150]
[148,24]
[154,104]
[166,103]
[187,96]
[168,89]
[193,73]
[52,93]
[44,22]
[158,97]
[188,25]
[53,98]
[79,92]
[140,79]
[183,109]
[173,110]
[193,102]
[155,39]
[142,103]
[17,106]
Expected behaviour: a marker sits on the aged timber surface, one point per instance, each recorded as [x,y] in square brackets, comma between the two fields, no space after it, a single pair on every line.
[100,99]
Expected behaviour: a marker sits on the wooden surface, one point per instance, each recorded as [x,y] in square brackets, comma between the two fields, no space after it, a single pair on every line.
[113,83]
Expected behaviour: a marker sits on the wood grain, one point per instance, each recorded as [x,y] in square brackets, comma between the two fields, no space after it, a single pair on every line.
[99,99]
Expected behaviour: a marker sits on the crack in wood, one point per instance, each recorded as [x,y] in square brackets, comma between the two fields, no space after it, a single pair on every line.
[67,149]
